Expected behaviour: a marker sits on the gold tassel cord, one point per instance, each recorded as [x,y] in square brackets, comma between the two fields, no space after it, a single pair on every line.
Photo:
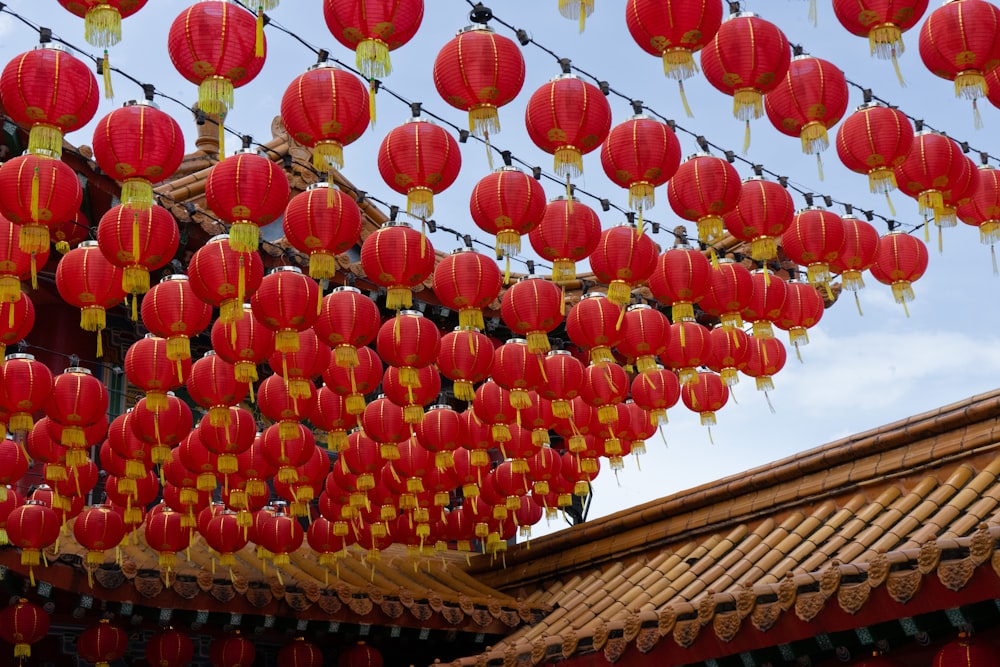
[109,92]
[102,25]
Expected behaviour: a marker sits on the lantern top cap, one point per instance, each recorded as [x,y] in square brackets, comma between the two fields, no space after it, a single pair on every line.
[564,75]
[439,406]
[466,330]
[19,356]
[319,184]
[346,288]
[564,198]
[410,313]
[803,56]
[77,370]
[396,223]
[726,260]
[174,277]
[640,116]
[475,27]
[870,105]
[325,64]
[212,353]
[594,295]
[516,341]
[417,119]
[809,208]
[742,15]
[286,269]
[699,154]
[89,243]
[141,103]
[219,238]
[627,224]
[682,246]
[507,167]
[639,306]
[51,46]
[531,276]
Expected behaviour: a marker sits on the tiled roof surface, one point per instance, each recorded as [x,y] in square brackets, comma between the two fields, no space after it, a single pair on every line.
[918,498]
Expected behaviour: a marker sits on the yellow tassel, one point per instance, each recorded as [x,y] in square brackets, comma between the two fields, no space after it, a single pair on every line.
[102,25]
[109,93]
[813,13]
[222,138]
[36,183]
[259,42]
[819,165]
[977,118]
[372,89]
[899,72]
[687,107]
[746,137]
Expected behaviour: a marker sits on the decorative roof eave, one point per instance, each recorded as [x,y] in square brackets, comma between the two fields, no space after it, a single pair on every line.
[958,430]
[940,574]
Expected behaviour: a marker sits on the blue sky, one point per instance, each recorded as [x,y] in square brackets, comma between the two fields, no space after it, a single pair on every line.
[857,372]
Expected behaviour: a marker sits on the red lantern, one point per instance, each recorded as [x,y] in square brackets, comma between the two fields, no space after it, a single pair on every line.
[149,369]
[16,321]
[934,165]
[874,140]
[50,91]
[465,358]
[883,23]
[966,652]
[813,240]
[216,46]
[282,535]
[747,58]
[763,212]
[213,385]
[372,31]
[442,431]
[251,344]
[102,19]
[809,100]
[325,108]
[102,644]
[276,402]
[408,341]
[287,302]
[15,264]
[163,428]
[703,190]
[300,653]
[568,233]
[170,648]
[363,655]
[419,159]
[532,307]
[224,534]
[706,395]
[959,42]
[857,253]
[166,534]
[982,210]
[412,398]
[766,303]
[690,346]
[11,500]
[900,260]
[641,154]
[322,222]
[232,651]
[647,332]
[730,348]
[478,71]
[300,367]
[518,370]
[507,204]
[623,259]
[23,624]
[592,324]
[673,30]
[568,118]
[88,281]
[13,462]
[397,257]
[564,376]
[69,233]
[329,413]
[766,357]
[138,145]
[348,321]
[605,387]
[467,281]
[384,422]
[172,311]
[730,290]
[248,191]
[25,385]
[224,278]
[656,391]
[493,407]
[138,241]
[98,529]
[32,527]
[354,383]
[680,280]
[35,192]
[802,310]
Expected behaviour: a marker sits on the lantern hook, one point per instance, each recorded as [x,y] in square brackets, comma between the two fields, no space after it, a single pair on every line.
[415,108]
[480,14]
[758,170]
[734,7]
[247,140]
[808,197]
[148,91]
[630,216]
[636,106]
[44,35]
[564,63]
[508,158]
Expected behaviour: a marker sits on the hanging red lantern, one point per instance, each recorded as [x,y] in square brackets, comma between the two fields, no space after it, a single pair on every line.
[165,534]
[419,159]
[934,165]
[300,653]
[348,321]
[568,233]
[647,332]
[412,399]
[397,257]
[164,428]
[13,462]
[690,346]
[32,527]
[102,643]
[169,648]
[730,348]
[674,31]
[641,154]
[228,440]
[605,387]
[493,407]
[656,391]
[224,535]
[15,264]
[766,303]
[98,529]
[383,421]
[149,369]
[766,356]
[301,367]
[69,233]
[251,344]
[813,240]
[857,253]
[763,212]
[354,383]
[329,413]
[982,210]
[372,31]
[467,281]
[282,535]
[568,118]
[88,281]
[138,241]
[23,624]
[37,191]
[217,46]
[966,651]
[123,441]
[232,651]
[900,260]
[808,101]
[706,395]
[747,58]
[624,258]
[276,402]
[325,108]
[362,655]
[138,145]
[874,140]
[883,23]
[224,278]
[564,376]
[322,222]
[802,310]
[287,302]
[25,386]
[212,384]
[518,370]
[16,321]
[408,341]
[508,204]
[478,71]
[248,191]
[531,308]
[172,311]
[730,290]
[593,325]
[680,280]
[466,358]
[959,42]
[704,189]
[102,19]
[12,500]
[51,92]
